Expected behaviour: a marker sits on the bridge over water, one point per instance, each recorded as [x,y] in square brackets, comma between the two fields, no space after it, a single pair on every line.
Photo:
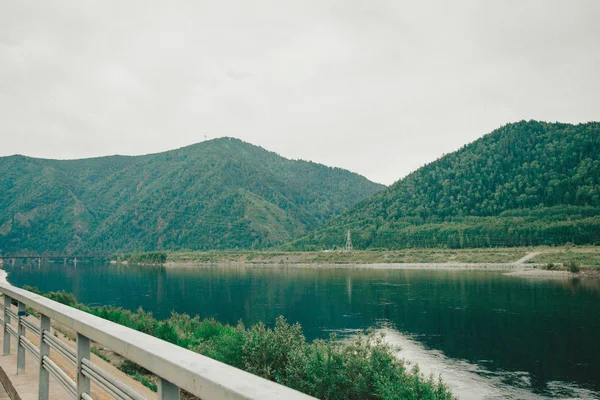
[7,258]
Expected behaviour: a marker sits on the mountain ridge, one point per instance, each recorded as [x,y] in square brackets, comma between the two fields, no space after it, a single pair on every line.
[169,200]
[459,199]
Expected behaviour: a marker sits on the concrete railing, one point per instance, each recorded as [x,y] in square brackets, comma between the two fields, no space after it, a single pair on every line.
[176,367]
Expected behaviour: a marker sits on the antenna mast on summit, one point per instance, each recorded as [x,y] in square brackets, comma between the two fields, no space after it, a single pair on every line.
[349,242]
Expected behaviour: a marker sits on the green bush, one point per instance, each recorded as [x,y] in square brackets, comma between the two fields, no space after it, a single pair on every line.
[267,352]
[573,267]
[139,373]
[97,352]
[131,368]
[60,296]
[167,332]
[144,258]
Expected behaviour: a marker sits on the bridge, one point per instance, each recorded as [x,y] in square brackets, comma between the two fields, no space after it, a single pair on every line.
[64,258]
[48,366]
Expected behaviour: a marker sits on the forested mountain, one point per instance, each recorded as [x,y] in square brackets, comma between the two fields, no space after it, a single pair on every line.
[526,183]
[218,194]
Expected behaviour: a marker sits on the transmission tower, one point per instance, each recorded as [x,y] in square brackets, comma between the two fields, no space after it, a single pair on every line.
[349,242]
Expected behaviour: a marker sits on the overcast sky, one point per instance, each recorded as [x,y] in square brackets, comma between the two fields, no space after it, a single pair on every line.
[379,87]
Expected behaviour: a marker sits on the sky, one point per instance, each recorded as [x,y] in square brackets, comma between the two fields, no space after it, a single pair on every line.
[379,87]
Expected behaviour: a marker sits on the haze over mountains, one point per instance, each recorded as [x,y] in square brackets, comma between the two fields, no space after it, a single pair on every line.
[218,194]
[527,183]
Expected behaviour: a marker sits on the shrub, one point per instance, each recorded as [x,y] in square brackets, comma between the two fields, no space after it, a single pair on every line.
[167,332]
[573,267]
[131,368]
[97,352]
[139,373]
[63,297]
[145,258]
[266,352]
[60,296]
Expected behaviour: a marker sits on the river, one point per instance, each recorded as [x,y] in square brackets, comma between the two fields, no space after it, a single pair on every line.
[488,334]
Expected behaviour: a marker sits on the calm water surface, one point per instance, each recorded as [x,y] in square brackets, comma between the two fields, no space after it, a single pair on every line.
[490,335]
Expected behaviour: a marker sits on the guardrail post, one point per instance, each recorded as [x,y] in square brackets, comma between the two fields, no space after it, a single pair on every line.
[167,391]
[21,331]
[83,351]
[44,384]
[7,301]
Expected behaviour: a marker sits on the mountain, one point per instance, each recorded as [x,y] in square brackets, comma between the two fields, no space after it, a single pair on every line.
[218,194]
[527,183]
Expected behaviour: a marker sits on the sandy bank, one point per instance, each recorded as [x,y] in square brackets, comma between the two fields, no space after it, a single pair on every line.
[543,273]
[456,266]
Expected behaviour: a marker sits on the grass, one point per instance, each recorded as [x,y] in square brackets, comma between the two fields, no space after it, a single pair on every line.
[140,374]
[583,255]
[498,255]
[97,352]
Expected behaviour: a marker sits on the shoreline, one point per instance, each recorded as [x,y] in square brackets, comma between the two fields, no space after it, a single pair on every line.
[451,266]
[512,269]
[502,258]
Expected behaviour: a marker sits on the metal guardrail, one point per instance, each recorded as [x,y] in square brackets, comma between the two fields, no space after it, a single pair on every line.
[176,367]
[29,325]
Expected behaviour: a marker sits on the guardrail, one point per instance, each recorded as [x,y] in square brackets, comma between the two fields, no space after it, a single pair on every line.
[176,367]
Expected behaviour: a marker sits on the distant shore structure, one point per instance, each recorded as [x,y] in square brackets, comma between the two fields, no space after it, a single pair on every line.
[349,242]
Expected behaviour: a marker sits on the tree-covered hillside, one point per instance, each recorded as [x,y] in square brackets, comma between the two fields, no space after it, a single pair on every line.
[525,183]
[219,194]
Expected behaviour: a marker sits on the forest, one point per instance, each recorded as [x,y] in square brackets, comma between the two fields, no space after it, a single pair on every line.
[218,194]
[527,183]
